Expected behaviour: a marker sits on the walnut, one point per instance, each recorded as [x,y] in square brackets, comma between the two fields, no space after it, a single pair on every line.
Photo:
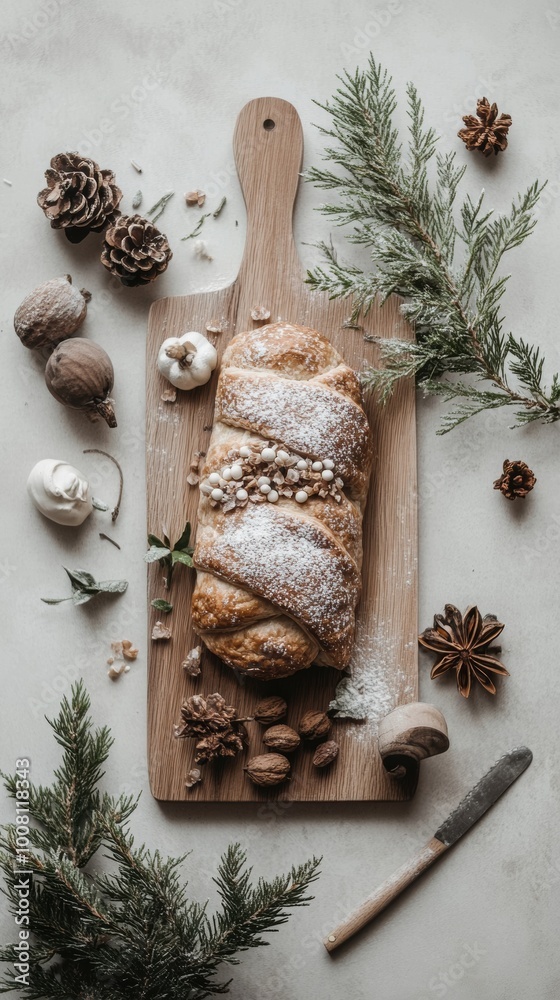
[270,710]
[314,726]
[281,738]
[325,753]
[268,769]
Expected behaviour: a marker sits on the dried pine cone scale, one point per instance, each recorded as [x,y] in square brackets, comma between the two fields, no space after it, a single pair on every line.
[80,198]
[135,251]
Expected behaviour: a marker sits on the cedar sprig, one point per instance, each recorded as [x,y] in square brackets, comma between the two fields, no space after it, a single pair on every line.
[445,263]
[129,931]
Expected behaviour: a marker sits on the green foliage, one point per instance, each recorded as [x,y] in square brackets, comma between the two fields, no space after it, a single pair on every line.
[85,587]
[443,260]
[168,555]
[131,931]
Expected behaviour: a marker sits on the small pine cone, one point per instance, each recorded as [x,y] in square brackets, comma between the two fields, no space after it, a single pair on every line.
[135,251]
[80,197]
[516,481]
[488,131]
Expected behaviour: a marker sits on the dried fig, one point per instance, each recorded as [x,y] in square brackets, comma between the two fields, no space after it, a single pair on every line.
[51,313]
[80,374]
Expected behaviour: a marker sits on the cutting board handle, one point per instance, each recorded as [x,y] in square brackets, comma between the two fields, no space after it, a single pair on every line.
[268,148]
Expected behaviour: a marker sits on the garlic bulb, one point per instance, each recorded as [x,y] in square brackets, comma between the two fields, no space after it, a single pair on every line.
[59,491]
[187,361]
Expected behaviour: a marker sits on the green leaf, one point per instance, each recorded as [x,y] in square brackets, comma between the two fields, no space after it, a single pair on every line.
[156,552]
[185,538]
[79,579]
[112,586]
[154,540]
[160,605]
[181,557]
[83,596]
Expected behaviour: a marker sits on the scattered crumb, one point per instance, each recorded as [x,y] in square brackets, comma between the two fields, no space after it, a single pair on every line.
[260,312]
[137,200]
[115,671]
[191,664]
[214,327]
[136,166]
[110,661]
[160,631]
[128,650]
[193,777]
[169,395]
[127,668]
[201,250]
[207,427]
[193,479]
[195,198]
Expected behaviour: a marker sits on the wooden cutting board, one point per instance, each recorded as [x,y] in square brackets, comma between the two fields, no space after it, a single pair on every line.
[268,146]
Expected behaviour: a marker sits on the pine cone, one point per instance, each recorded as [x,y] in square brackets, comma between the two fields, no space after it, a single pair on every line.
[80,197]
[134,250]
[487,132]
[214,724]
[516,481]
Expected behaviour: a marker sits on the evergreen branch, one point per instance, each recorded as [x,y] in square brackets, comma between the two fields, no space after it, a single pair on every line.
[129,933]
[410,229]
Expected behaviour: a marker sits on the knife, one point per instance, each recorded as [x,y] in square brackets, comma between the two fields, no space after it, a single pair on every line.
[494,783]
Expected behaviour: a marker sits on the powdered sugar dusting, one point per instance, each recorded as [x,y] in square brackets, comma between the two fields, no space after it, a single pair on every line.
[306,416]
[292,562]
[375,658]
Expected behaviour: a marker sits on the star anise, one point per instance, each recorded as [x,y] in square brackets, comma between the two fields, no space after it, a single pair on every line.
[487,132]
[214,724]
[464,645]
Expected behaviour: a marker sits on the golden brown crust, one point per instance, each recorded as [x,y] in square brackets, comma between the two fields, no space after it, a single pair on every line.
[278,584]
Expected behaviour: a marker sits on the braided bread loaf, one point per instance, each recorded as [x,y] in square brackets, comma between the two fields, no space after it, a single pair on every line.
[279,547]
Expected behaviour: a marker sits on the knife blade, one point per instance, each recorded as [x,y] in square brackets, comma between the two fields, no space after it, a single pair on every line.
[474,805]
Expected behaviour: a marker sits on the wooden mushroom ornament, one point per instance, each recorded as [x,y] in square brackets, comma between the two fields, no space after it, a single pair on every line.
[409,734]
[187,361]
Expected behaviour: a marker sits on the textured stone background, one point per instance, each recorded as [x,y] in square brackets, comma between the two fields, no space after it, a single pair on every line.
[163,83]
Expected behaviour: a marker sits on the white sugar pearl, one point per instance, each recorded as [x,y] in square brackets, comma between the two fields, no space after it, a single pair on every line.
[226,474]
[265,488]
[272,496]
[245,452]
[263,481]
[268,454]
[317,466]
[236,472]
[327,475]
[214,479]
[302,464]
[242,494]
[217,494]
[301,496]
[328,463]
[283,456]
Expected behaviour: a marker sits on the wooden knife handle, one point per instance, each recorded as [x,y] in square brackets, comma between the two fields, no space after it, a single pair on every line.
[268,148]
[386,892]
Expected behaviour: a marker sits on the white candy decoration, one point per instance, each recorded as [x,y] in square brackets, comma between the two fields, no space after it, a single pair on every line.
[327,475]
[317,466]
[245,452]
[268,454]
[214,479]
[227,474]
[187,361]
[242,494]
[217,494]
[281,456]
[263,481]
[273,496]
[265,488]
[328,463]
[236,472]
[60,492]
[301,496]
[302,464]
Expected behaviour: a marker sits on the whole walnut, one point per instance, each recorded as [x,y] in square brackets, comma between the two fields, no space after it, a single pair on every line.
[325,753]
[268,769]
[270,710]
[314,726]
[282,738]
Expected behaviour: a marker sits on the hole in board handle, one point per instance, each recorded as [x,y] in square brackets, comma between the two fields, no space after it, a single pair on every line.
[268,124]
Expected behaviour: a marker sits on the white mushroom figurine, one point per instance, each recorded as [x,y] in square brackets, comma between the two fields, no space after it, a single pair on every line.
[187,361]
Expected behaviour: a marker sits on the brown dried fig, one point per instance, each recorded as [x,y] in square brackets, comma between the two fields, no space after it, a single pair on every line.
[282,738]
[80,374]
[268,769]
[51,313]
